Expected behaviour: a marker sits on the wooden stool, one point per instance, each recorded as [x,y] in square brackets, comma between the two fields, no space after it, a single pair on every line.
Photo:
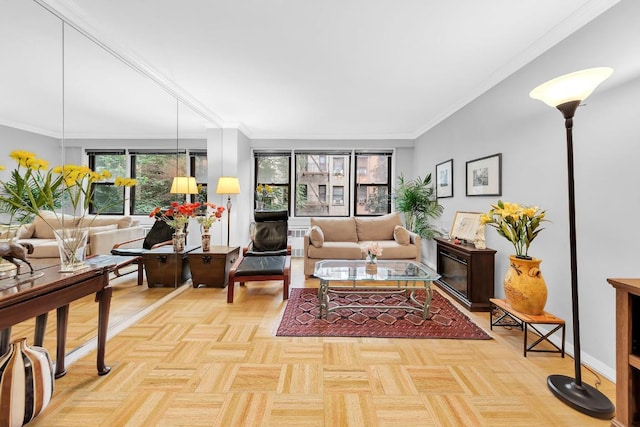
[511,317]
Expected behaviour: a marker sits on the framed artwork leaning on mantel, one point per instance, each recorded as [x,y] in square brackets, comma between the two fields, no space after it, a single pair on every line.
[484,176]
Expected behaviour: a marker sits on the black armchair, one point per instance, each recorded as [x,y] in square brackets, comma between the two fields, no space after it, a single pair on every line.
[268,256]
[159,235]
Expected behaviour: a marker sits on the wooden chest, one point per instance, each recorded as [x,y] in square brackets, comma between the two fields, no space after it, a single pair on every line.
[211,268]
[164,267]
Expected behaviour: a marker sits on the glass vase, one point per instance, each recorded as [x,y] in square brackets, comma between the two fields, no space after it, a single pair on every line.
[72,247]
[371,266]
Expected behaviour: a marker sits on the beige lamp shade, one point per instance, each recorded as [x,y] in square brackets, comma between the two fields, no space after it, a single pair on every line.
[228,185]
[575,86]
[184,185]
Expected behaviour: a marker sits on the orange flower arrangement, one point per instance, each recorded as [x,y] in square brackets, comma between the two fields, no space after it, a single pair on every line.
[177,216]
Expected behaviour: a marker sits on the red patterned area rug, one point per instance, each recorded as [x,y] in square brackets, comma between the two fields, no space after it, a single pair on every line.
[300,318]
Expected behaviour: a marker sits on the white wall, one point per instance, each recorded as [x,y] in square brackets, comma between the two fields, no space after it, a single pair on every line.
[531,138]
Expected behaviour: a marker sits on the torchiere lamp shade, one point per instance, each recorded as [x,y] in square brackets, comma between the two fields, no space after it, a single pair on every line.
[575,86]
[184,185]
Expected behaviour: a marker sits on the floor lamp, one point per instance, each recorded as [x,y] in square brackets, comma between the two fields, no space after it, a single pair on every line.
[228,185]
[566,93]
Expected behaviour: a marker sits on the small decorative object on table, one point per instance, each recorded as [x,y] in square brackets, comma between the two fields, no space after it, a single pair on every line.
[177,217]
[524,286]
[372,252]
[212,215]
[26,376]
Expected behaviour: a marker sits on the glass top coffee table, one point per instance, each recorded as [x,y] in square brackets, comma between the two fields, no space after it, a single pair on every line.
[338,276]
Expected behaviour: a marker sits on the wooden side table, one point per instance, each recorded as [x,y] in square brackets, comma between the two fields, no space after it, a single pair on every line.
[627,351]
[513,318]
[211,268]
[164,267]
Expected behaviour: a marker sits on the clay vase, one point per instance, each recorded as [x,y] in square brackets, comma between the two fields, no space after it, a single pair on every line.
[524,286]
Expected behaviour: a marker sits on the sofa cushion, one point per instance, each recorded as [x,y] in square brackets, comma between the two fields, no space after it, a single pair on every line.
[335,250]
[100,220]
[47,221]
[337,229]
[392,250]
[316,236]
[101,228]
[43,248]
[401,235]
[377,227]
[25,231]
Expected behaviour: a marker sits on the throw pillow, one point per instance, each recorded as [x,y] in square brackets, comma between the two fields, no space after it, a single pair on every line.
[401,235]
[316,236]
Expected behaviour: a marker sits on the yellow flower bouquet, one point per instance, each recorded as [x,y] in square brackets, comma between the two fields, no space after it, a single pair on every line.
[33,187]
[516,223]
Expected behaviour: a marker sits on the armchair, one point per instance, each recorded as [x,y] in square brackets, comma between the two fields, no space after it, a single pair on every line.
[159,235]
[268,256]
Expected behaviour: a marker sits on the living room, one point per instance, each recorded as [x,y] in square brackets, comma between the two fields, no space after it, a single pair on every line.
[499,117]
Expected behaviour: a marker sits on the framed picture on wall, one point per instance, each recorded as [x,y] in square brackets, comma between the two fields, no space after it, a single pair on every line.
[444,179]
[484,176]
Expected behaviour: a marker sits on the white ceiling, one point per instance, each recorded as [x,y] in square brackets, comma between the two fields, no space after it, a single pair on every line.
[273,68]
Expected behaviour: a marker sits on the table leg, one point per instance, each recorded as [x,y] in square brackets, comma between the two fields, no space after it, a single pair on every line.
[323,298]
[140,270]
[62,314]
[5,337]
[104,303]
[426,311]
[41,327]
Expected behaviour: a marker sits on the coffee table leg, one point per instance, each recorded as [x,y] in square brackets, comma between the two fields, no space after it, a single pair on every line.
[323,298]
[427,302]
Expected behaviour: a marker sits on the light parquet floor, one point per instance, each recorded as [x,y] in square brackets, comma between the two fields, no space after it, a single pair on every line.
[198,361]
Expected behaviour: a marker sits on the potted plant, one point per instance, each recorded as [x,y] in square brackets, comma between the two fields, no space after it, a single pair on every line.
[417,201]
[524,286]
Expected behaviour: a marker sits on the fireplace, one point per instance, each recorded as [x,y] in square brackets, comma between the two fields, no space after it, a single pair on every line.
[467,273]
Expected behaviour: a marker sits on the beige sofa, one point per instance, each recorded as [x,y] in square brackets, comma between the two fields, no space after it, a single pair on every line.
[343,238]
[104,232]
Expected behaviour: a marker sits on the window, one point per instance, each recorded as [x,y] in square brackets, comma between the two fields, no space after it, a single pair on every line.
[272,177]
[328,183]
[199,169]
[312,174]
[338,196]
[107,198]
[154,171]
[322,193]
[338,166]
[373,183]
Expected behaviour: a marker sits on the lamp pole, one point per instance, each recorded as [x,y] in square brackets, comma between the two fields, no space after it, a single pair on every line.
[228,218]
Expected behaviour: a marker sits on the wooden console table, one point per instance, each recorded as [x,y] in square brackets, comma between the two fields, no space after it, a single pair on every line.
[511,317]
[627,351]
[466,273]
[55,290]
